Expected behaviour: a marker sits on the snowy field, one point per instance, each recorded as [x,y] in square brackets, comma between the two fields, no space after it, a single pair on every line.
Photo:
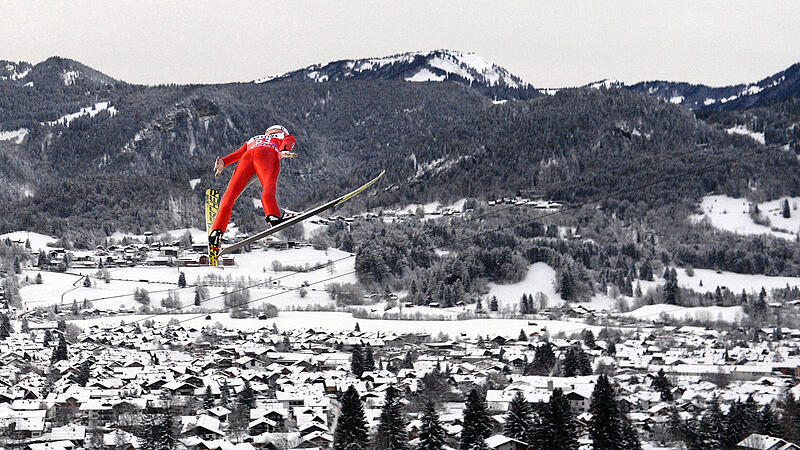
[729,314]
[341,321]
[732,214]
[735,282]
[540,278]
[38,241]
[254,268]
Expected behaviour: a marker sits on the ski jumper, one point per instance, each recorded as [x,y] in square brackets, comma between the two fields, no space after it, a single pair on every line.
[260,156]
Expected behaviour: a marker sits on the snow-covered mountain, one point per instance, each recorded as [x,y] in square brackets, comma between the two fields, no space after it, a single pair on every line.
[437,65]
[54,71]
[772,89]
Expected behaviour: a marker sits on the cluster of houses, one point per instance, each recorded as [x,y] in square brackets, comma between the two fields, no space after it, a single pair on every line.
[297,374]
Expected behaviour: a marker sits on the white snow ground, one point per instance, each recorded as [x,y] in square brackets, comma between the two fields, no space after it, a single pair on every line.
[732,214]
[540,278]
[735,282]
[90,111]
[14,135]
[742,130]
[38,241]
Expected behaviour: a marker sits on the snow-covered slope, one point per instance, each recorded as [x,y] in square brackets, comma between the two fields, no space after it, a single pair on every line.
[774,88]
[434,66]
[733,214]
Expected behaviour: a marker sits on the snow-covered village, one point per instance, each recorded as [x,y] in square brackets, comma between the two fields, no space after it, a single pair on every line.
[451,225]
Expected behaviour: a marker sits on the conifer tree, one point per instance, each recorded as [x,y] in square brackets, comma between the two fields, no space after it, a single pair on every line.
[522,336]
[662,384]
[391,434]
[351,427]
[768,422]
[83,373]
[5,327]
[630,439]
[712,426]
[605,428]
[493,306]
[558,429]
[475,425]
[518,418]
[786,212]
[60,352]
[543,359]
[357,361]
[182,280]
[576,362]
[369,360]
[208,399]
[247,397]
[431,433]
[789,423]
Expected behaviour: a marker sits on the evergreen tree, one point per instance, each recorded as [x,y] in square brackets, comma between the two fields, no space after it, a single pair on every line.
[5,327]
[789,423]
[768,422]
[247,396]
[182,280]
[518,418]
[39,278]
[475,425]
[646,271]
[431,433]
[522,336]
[493,306]
[17,266]
[60,353]
[630,439]
[391,434]
[224,394]
[671,287]
[576,362]
[543,360]
[208,399]
[662,384]
[358,328]
[786,212]
[605,428]
[196,298]
[25,327]
[357,361]
[84,373]
[369,360]
[557,430]
[351,427]
[712,426]
[87,282]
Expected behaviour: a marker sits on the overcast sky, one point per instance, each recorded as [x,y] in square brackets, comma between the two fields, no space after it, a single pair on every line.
[549,44]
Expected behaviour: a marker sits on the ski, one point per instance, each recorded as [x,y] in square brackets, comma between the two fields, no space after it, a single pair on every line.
[300,217]
[212,206]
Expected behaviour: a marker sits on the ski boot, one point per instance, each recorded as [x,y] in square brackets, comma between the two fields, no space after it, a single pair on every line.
[214,242]
[274,221]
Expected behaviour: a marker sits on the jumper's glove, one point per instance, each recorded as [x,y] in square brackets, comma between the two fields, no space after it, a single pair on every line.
[285,154]
[219,164]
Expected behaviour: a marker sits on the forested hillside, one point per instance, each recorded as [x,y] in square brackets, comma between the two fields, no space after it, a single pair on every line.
[126,164]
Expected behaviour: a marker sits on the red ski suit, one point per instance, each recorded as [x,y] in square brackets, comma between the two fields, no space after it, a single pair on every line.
[260,156]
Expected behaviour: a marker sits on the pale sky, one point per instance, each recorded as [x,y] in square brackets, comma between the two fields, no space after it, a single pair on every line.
[547,43]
